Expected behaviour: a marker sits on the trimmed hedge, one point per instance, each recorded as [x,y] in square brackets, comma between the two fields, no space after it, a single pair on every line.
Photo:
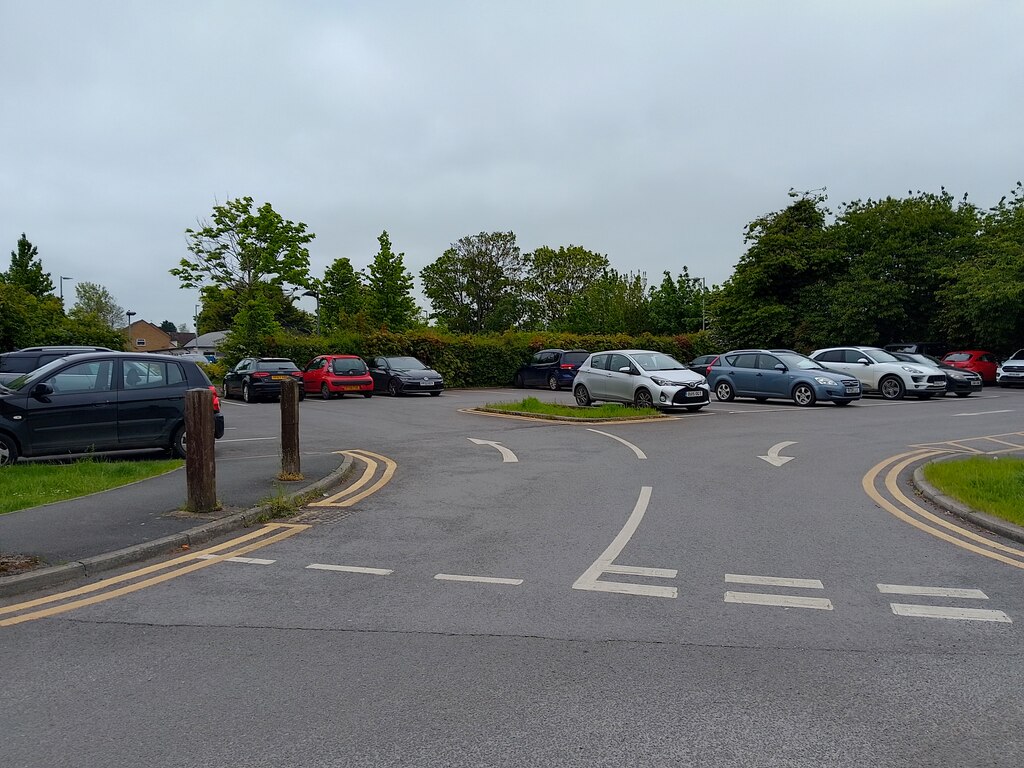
[484,360]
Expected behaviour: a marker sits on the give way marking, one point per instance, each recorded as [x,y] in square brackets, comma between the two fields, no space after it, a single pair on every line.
[507,457]
[590,579]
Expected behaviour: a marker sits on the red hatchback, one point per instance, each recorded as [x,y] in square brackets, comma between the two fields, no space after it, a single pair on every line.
[339,375]
[982,363]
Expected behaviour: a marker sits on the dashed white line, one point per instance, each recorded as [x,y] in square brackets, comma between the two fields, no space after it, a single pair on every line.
[782,601]
[984,413]
[246,439]
[246,560]
[773,581]
[904,589]
[943,612]
[480,579]
[350,569]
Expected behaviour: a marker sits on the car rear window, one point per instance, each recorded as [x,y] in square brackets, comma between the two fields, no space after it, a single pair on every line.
[348,367]
[957,357]
[574,358]
[276,365]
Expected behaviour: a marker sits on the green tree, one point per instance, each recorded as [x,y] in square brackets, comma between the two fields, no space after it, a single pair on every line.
[342,297]
[27,271]
[221,306]
[168,327]
[478,284]
[554,278]
[613,303]
[676,305]
[252,334]
[389,289]
[94,299]
[240,249]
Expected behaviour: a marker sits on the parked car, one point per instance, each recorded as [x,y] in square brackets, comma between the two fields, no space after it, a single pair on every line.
[551,368]
[880,372]
[642,378]
[931,348]
[982,363]
[337,375]
[763,374]
[702,364]
[1011,372]
[99,402]
[958,381]
[14,364]
[402,375]
[259,378]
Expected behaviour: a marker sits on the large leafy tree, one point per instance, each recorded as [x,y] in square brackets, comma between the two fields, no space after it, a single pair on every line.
[26,320]
[676,304]
[27,271]
[478,284]
[613,303]
[554,277]
[241,248]
[342,297]
[221,307]
[389,289]
[94,299]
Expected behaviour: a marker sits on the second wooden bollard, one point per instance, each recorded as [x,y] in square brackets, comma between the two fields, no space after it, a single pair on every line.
[291,468]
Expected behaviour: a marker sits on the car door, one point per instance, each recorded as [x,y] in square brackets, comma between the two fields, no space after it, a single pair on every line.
[868,374]
[621,383]
[150,402]
[743,374]
[597,379]
[835,360]
[770,381]
[380,373]
[233,378]
[313,375]
[80,414]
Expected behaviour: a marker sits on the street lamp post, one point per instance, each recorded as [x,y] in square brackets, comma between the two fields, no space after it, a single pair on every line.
[128,330]
[62,279]
[315,295]
[195,319]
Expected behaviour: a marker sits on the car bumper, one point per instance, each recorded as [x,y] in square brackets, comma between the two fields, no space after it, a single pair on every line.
[341,386]
[218,426]
[681,397]
[837,393]
[964,385]
[418,385]
[1010,379]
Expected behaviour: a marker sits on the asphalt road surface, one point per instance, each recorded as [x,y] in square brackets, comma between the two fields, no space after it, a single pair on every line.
[751,585]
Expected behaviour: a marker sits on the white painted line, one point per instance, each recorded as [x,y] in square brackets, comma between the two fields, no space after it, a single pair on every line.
[480,579]
[903,589]
[590,580]
[639,454]
[247,560]
[246,439]
[507,457]
[956,614]
[983,413]
[781,601]
[773,581]
[350,569]
[639,570]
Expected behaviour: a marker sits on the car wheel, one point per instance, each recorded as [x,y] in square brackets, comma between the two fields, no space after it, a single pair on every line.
[803,394]
[643,399]
[179,443]
[553,383]
[582,396]
[224,391]
[518,383]
[393,388]
[8,451]
[435,394]
[325,393]
[694,408]
[724,391]
[367,395]
[246,393]
[892,388]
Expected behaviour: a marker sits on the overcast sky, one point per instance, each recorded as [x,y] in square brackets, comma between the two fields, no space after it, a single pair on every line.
[652,132]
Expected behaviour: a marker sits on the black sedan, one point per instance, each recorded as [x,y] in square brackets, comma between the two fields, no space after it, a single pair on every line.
[404,375]
[259,378]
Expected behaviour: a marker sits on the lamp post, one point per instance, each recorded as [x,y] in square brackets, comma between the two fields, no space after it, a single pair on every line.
[62,279]
[195,319]
[128,330]
[315,295]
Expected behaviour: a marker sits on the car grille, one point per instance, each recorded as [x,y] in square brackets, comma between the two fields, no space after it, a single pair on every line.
[938,379]
[1013,368]
[850,382]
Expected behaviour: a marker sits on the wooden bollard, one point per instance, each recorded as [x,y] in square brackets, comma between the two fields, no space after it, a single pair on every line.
[200,463]
[291,468]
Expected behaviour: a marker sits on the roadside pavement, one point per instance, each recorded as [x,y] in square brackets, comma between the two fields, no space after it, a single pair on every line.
[82,536]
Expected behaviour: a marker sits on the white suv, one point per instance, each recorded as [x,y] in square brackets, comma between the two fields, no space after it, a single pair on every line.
[880,372]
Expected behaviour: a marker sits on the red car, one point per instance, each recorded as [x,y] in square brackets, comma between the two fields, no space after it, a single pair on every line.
[982,363]
[339,375]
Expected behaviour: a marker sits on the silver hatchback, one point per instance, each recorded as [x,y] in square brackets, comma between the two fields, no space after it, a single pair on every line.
[641,378]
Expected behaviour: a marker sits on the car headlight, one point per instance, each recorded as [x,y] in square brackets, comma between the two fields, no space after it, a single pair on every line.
[663,382]
[912,370]
[826,381]
[958,376]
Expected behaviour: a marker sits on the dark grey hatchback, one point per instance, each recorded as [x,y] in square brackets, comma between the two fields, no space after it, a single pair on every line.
[99,402]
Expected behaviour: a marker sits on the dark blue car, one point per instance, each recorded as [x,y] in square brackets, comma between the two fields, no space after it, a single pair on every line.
[551,368]
[763,374]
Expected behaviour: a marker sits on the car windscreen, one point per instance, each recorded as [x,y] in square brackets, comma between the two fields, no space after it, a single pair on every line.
[276,366]
[403,363]
[348,366]
[574,358]
[1018,355]
[799,362]
[656,361]
[957,357]
[881,356]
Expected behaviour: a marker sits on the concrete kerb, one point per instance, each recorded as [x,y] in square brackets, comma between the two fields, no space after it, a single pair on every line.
[51,576]
[958,508]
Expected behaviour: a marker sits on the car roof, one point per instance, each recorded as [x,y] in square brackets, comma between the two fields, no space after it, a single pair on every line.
[355,357]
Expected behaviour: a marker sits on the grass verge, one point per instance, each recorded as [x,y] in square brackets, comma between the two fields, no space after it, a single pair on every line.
[603,411]
[29,485]
[988,484]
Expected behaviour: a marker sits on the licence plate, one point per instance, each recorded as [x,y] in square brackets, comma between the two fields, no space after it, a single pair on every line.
[280,378]
[852,390]
[426,383]
[350,388]
[695,393]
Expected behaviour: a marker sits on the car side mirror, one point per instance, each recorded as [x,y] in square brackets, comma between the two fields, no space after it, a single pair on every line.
[628,369]
[781,367]
[39,391]
[864,361]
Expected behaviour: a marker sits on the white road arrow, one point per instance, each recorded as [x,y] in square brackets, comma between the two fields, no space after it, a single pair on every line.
[773,457]
[506,455]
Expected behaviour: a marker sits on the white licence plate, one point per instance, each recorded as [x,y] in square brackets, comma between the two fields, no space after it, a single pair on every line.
[852,390]
[695,393]
[426,383]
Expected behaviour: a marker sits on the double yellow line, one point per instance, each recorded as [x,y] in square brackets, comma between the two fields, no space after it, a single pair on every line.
[107,589]
[355,492]
[881,483]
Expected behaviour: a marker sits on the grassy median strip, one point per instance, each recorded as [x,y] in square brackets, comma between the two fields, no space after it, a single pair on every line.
[29,485]
[988,484]
[604,411]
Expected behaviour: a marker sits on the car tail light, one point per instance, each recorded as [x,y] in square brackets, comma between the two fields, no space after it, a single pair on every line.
[567,367]
[216,399]
[260,375]
[297,374]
